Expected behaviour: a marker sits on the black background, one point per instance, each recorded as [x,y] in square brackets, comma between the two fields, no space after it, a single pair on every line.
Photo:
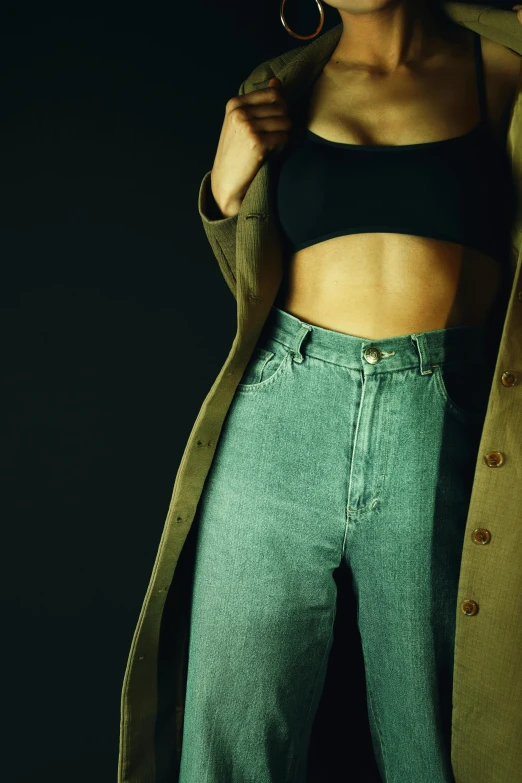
[114,322]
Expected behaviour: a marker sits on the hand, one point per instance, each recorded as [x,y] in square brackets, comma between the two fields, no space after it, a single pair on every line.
[254,125]
[518,9]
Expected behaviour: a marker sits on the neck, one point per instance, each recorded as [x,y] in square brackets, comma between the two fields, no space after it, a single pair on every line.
[391,36]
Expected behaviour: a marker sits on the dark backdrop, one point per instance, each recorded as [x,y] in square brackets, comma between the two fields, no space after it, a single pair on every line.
[114,322]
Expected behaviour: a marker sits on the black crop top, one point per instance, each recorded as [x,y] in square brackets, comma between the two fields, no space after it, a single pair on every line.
[459,189]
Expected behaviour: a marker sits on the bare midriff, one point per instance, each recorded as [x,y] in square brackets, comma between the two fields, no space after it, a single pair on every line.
[383,285]
[378,285]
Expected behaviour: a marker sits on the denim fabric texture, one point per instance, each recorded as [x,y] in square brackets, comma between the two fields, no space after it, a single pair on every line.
[335,448]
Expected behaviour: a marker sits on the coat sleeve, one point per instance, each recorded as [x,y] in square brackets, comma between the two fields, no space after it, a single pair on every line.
[221,234]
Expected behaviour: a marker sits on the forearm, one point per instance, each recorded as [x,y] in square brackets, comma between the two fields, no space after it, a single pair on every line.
[221,206]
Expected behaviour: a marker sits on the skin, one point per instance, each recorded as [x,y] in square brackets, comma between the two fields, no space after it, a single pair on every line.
[388,36]
[395,53]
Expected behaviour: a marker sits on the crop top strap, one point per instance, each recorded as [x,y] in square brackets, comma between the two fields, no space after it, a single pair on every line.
[479,65]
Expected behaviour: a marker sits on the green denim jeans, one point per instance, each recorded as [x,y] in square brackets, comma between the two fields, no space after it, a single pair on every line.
[335,448]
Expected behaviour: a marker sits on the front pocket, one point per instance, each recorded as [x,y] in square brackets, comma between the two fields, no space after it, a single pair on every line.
[264,366]
[464,386]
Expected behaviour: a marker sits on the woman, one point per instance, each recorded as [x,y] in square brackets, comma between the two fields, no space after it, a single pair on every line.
[347,452]
[352,435]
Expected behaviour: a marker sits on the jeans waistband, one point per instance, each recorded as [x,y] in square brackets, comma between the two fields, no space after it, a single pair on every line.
[423,349]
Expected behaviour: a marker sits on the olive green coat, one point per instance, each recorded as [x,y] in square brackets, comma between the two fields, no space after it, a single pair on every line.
[487,692]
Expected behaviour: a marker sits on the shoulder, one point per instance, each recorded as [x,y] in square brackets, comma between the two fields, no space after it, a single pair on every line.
[505,67]
[503,61]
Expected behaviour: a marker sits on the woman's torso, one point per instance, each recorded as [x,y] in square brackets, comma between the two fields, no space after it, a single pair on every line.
[378,285]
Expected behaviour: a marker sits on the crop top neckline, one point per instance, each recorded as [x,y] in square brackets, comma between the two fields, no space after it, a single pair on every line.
[482,125]
[388,147]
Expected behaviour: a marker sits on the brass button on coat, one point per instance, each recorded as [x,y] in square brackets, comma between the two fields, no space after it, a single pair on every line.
[494,459]
[372,355]
[481,536]
[469,607]
[509,378]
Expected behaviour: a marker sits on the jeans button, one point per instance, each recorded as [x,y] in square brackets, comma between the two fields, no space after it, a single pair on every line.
[372,355]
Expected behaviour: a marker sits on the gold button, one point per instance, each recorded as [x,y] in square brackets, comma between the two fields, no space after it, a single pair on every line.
[469,607]
[372,355]
[494,459]
[481,536]
[509,378]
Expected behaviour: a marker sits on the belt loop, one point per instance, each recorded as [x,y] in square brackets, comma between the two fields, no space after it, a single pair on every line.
[298,339]
[424,353]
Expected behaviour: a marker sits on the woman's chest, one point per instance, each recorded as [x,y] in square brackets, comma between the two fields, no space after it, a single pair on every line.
[430,104]
[358,283]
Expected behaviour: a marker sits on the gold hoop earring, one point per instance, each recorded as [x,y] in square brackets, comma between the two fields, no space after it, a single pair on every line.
[304,37]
